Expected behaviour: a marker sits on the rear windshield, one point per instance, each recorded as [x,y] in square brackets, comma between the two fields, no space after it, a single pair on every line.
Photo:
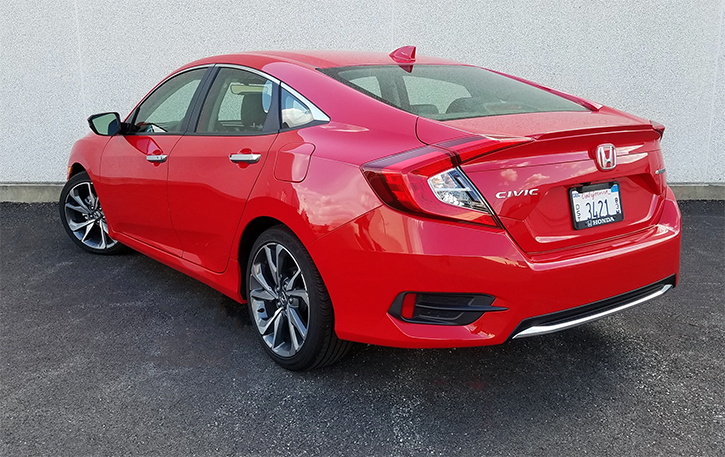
[447,92]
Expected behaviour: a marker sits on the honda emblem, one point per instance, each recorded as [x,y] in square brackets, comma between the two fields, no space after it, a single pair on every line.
[606,157]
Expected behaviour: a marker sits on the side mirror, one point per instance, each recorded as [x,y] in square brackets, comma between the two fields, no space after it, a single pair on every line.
[105,124]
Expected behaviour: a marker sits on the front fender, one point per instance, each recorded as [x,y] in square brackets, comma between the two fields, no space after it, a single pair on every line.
[87,152]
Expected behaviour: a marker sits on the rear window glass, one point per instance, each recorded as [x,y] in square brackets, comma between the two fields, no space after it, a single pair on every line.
[447,92]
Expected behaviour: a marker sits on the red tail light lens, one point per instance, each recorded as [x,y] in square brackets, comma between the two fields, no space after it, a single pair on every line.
[397,178]
[472,147]
[427,180]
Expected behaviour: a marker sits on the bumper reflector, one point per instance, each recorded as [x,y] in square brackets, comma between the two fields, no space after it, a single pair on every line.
[408,306]
[441,309]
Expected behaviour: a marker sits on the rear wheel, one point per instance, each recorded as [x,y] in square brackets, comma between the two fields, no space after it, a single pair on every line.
[289,304]
[83,218]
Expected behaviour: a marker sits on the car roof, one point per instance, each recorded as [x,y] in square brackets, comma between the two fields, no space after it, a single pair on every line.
[321,59]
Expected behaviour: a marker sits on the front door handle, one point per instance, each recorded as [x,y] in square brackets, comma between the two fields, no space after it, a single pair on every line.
[245,158]
[157,158]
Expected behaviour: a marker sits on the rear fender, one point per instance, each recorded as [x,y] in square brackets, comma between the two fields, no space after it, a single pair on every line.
[332,194]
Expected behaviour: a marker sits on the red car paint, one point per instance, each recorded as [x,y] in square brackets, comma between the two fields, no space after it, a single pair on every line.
[192,211]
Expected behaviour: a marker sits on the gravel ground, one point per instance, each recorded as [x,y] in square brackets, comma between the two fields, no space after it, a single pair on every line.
[121,355]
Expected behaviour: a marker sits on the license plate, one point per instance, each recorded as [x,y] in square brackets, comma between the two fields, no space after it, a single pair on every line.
[595,205]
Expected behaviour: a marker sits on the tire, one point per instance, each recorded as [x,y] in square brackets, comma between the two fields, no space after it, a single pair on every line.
[289,306]
[83,218]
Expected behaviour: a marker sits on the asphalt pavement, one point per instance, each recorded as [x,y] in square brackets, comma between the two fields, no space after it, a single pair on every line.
[120,355]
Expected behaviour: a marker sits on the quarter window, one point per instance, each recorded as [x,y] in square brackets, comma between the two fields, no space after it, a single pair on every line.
[294,112]
[167,108]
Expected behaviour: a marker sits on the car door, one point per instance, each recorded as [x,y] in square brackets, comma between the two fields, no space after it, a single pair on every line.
[134,166]
[213,168]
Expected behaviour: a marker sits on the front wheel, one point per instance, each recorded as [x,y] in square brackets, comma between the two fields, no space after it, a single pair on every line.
[83,218]
[289,304]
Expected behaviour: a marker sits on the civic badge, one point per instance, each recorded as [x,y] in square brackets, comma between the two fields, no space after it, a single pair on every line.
[606,157]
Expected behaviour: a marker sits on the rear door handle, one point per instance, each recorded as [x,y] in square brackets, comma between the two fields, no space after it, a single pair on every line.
[157,158]
[245,158]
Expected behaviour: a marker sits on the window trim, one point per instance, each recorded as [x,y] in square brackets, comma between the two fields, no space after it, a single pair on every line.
[318,116]
[194,120]
[190,124]
[131,118]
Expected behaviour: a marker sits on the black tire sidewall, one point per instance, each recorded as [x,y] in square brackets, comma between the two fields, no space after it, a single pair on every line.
[70,184]
[318,330]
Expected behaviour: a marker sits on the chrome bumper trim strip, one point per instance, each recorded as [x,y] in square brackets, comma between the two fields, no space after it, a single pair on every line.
[544,329]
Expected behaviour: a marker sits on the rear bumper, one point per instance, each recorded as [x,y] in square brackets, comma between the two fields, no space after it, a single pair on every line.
[370,261]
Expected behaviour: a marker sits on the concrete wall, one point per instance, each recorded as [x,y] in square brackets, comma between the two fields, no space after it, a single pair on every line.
[661,59]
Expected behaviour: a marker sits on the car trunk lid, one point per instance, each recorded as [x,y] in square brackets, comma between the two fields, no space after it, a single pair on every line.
[528,185]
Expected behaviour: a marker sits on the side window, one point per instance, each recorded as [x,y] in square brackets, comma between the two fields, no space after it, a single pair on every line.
[238,102]
[432,96]
[294,112]
[165,110]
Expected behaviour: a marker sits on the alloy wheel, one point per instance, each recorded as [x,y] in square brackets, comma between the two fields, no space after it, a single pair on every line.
[279,299]
[85,217]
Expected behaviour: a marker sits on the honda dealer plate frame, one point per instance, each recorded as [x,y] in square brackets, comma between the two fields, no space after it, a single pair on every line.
[595,205]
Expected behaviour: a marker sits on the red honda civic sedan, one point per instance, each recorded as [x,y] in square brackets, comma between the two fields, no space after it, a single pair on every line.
[387,199]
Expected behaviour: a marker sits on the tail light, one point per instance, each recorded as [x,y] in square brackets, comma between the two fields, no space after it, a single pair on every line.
[427,180]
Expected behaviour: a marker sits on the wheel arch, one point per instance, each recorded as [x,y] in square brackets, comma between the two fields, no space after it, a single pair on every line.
[86,155]
[252,231]
[74,169]
[263,212]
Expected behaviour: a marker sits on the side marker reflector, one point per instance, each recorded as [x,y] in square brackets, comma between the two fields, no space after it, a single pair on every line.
[408,306]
